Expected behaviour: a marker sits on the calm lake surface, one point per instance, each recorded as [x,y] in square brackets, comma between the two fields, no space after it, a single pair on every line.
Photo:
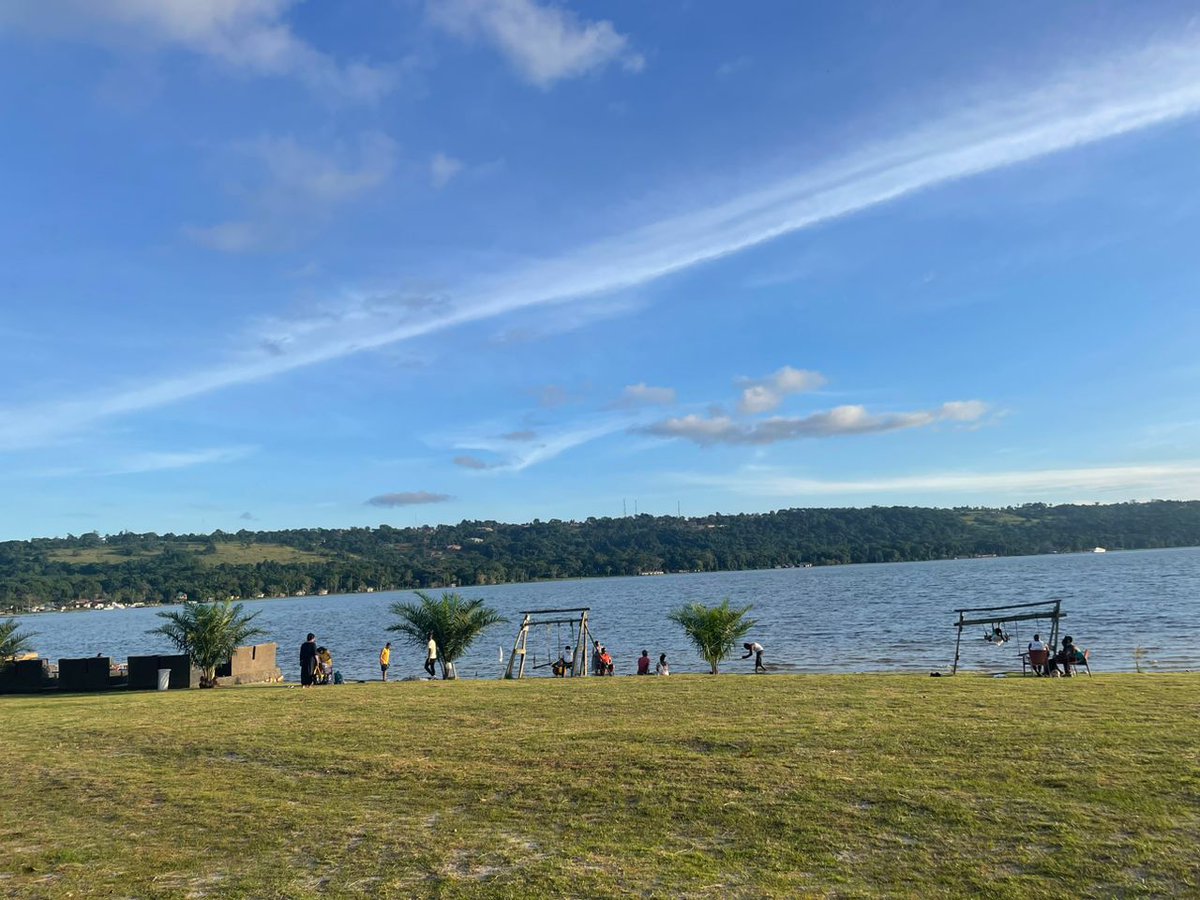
[889,617]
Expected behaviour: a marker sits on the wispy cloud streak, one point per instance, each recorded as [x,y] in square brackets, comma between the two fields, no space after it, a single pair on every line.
[1119,96]
[1171,480]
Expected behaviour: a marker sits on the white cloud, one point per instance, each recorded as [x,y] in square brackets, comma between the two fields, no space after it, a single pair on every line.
[290,186]
[522,455]
[1161,481]
[332,176]
[765,394]
[1117,96]
[159,461]
[227,237]
[245,35]
[471,462]
[442,169]
[837,422]
[641,394]
[543,43]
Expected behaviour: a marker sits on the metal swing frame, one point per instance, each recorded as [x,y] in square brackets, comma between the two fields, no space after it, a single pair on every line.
[1047,609]
[532,618]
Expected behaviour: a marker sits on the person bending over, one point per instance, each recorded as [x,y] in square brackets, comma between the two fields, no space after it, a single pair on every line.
[756,650]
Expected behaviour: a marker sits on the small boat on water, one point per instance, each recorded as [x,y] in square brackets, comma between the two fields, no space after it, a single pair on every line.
[1099,550]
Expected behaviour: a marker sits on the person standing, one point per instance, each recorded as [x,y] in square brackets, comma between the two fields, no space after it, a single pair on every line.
[597,665]
[308,661]
[755,649]
[385,659]
[431,656]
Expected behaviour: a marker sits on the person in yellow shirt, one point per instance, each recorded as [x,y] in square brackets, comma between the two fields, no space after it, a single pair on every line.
[385,659]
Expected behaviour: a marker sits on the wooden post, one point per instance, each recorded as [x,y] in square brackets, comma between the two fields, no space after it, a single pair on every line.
[957,643]
[518,650]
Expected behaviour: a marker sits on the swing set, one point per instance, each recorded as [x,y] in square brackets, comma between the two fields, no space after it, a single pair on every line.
[999,617]
[578,632]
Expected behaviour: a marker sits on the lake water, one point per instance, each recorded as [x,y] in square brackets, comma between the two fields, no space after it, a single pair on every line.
[889,617]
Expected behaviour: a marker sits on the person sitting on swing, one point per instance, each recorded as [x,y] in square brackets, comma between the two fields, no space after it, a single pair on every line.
[563,663]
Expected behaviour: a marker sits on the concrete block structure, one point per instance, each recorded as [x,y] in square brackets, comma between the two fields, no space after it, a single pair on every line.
[88,674]
[143,672]
[24,676]
[251,665]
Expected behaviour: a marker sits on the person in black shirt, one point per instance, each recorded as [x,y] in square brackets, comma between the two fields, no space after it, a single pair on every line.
[308,661]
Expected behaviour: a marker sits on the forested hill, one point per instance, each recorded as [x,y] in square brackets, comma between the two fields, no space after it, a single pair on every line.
[154,568]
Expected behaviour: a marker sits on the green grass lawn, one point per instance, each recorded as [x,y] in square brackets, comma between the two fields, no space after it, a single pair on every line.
[781,786]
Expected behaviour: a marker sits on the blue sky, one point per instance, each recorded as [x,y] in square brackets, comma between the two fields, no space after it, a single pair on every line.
[281,264]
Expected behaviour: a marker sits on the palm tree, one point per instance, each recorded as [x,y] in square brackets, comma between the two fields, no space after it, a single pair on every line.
[208,633]
[13,642]
[453,622]
[715,630]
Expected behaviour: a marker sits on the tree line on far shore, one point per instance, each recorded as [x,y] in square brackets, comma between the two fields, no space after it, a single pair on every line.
[151,568]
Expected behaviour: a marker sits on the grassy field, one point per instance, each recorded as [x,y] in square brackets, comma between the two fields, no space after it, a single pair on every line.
[232,554]
[780,786]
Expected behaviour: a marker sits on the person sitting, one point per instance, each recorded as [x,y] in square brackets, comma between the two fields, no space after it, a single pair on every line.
[324,666]
[564,663]
[644,663]
[606,662]
[662,668]
[1068,657]
[1039,647]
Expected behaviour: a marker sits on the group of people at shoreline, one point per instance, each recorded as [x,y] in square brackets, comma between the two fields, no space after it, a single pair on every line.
[316,663]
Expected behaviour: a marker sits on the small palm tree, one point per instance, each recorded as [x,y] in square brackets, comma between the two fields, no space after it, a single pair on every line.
[453,622]
[13,642]
[715,630]
[208,633]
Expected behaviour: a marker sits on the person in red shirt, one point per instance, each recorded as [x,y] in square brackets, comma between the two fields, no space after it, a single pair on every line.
[644,663]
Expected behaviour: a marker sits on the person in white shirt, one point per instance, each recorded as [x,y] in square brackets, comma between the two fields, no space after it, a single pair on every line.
[755,649]
[1034,646]
[431,657]
[662,668]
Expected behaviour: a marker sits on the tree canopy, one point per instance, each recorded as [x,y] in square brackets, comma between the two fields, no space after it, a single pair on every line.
[453,621]
[152,568]
[208,633]
[714,630]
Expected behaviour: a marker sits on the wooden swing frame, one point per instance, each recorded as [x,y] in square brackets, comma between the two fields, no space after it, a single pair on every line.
[532,618]
[1047,609]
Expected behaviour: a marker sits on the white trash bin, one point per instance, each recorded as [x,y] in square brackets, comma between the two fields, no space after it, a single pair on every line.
[164,679]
